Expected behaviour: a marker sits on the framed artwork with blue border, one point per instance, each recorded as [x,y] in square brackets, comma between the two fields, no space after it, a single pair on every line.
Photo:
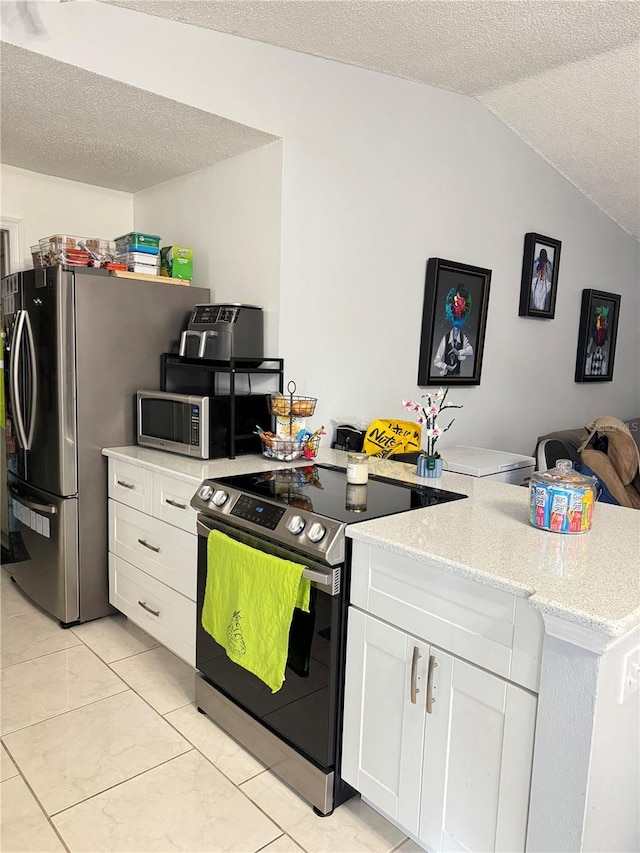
[454,317]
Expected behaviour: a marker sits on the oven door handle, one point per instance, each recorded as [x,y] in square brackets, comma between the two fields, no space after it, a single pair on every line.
[328,579]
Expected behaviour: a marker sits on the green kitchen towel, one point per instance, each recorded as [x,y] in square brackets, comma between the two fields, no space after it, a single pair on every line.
[248,605]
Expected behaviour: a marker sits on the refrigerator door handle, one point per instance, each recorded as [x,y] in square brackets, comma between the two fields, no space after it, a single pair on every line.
[34,381]
[14,374]
[47,509]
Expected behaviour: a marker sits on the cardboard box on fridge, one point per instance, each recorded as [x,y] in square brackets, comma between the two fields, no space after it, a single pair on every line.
[176,262]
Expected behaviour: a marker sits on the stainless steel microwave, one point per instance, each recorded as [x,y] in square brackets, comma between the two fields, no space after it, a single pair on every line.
[200,426]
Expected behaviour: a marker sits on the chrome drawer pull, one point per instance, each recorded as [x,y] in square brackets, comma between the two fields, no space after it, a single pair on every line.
[430,700]
[146,607]
[175,503]
[414,667]
[150,547]
[126,485]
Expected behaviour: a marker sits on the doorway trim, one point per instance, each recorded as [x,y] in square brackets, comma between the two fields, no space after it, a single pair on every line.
[17,254]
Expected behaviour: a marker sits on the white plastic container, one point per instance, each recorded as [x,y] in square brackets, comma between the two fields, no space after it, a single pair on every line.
[144,269]
[138,258]
[498,465]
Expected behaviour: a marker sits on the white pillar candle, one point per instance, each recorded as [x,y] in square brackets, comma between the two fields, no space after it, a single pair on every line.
[357,468]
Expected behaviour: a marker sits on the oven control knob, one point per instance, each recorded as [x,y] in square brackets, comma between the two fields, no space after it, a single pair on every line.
[220,497]
[205,492]
[295,525]
[316,532]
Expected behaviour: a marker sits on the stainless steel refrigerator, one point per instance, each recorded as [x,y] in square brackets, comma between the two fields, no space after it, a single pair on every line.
[79,344]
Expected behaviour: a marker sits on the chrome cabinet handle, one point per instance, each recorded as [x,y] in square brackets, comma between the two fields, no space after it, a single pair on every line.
[175,503]
[414,674]
[146,607]
[150,547]
[430,700]
[126,485]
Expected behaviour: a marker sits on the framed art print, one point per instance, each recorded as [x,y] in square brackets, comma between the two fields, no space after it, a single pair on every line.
[454,317]
[539,282]
[597,335]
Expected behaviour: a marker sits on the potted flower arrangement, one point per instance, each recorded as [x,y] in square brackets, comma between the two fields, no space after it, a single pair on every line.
[429,461]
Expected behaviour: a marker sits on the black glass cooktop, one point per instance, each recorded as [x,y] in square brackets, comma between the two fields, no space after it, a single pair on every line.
[324,490]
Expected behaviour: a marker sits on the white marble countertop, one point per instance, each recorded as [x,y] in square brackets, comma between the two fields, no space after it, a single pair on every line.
[590,579]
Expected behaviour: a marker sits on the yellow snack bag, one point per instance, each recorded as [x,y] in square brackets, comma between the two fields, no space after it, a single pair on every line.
[386,437]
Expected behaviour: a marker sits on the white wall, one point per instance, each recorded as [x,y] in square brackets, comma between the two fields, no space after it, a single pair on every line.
[230,214]
[50,205]
[378,175]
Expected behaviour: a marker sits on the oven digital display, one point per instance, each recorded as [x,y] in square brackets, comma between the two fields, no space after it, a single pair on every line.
[263,514]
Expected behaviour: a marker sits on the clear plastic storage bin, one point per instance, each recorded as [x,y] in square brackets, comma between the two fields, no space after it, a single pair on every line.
[561,499]
[63,249]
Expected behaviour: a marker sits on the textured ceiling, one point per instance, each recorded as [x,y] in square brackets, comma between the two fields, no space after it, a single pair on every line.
[139,141]
[468,47]
[564,75]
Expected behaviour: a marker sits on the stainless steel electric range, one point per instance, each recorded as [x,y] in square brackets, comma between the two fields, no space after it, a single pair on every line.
[299,514]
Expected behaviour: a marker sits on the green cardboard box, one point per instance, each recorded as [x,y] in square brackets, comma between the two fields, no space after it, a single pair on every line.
[176,262]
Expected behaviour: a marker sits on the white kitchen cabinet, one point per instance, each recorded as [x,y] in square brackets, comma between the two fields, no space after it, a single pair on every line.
[477,757]
[441,746]
[153,554]
[384,720]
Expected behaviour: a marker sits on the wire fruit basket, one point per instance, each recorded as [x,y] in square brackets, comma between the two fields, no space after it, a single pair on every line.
[292,406]
[287,450]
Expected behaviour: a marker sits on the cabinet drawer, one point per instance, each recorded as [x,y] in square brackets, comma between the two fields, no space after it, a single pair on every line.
[171,499]
[159,549]
[163,613]
[131,485]
[469,619]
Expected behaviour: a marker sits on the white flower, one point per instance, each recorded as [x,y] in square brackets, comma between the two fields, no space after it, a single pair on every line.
[427,415]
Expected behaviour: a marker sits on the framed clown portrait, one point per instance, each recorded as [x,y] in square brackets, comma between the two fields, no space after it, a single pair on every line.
[454,317]
[597,336]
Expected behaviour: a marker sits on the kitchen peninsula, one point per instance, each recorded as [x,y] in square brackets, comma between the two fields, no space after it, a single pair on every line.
[544,620]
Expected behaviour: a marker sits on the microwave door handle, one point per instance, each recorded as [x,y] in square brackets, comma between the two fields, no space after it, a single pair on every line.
[203,341]
[183,341]
[34,381]
[14,378]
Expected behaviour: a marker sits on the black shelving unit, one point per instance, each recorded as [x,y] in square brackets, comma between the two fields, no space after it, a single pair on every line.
[202,375]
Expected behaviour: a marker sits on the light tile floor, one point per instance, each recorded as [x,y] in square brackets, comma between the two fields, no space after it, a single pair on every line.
[103,750]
